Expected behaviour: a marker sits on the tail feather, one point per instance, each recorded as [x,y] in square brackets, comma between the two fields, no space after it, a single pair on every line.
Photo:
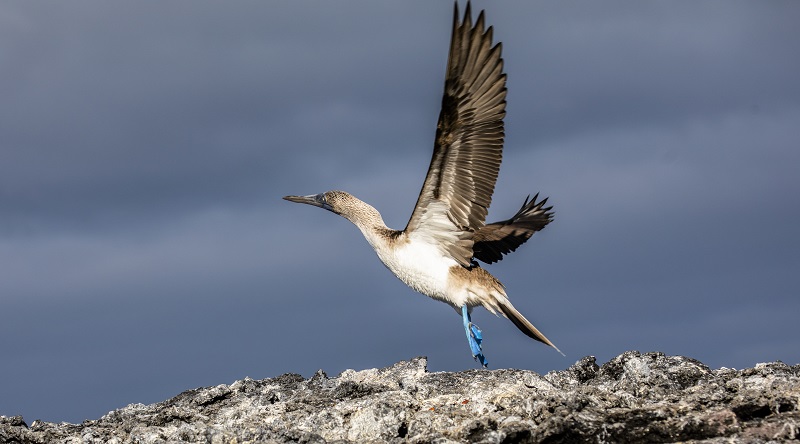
[524,325]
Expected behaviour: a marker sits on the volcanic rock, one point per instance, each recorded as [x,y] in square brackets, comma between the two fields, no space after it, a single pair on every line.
[634,398]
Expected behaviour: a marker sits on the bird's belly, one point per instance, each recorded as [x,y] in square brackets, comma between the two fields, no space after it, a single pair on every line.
[421,267]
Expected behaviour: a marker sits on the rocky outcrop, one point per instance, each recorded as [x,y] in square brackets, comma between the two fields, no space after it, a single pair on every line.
[633,398]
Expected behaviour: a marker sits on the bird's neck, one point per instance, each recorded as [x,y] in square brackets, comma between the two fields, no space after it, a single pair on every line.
[371,224]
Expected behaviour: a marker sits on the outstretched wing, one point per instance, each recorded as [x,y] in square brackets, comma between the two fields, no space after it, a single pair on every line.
[469,142]
[494,240]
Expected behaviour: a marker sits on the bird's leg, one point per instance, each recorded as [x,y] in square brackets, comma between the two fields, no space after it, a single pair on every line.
[473,336]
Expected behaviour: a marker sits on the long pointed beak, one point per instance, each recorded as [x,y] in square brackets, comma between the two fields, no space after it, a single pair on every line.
[317,200]
[310,199]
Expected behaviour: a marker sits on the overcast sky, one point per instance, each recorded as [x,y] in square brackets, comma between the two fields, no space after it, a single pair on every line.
[145,147]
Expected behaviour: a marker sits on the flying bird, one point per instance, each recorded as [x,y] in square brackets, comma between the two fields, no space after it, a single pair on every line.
[437,252]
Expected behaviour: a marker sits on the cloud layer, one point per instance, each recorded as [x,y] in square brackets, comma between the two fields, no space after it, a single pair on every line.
[144,248]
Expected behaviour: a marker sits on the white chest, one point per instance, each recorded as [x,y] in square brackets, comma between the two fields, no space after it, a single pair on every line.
[420,266]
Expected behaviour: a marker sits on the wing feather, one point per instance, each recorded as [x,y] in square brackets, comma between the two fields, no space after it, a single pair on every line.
[469,139]
[494,240]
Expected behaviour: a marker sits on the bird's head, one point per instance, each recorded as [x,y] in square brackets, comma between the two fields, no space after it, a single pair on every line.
[334,201]
[343,204]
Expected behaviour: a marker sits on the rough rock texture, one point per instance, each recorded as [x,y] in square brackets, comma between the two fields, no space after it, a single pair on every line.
[634,398]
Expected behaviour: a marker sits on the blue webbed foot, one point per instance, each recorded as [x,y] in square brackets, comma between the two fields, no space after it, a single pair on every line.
[474,337]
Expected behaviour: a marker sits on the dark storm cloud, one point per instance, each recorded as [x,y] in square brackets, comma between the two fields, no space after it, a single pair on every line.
[151,104]
[144,248]
[595,66]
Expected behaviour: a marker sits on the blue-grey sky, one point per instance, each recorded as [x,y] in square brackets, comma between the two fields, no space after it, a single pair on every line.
[145,147]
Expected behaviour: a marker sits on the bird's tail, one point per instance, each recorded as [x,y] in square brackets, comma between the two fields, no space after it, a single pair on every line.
[523,324]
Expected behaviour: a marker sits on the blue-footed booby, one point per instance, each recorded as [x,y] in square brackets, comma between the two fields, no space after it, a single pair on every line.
[437,251]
